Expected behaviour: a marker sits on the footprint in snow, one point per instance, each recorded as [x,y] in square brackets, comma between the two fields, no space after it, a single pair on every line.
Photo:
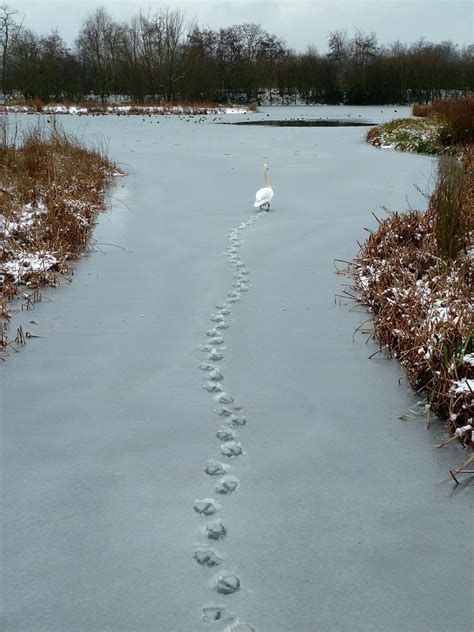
[215,531]
[206,506]
[205,366]
[224,434]
[237,421]
[227,583]
[215,468]
[215,375]
[213,387]
[217,318]
[207,557]
[214,614]
[216,340]
[227,484]
[215,355]
[224,398]
[231,449]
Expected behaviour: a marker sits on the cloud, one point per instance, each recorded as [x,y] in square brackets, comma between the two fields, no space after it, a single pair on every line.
[299,22]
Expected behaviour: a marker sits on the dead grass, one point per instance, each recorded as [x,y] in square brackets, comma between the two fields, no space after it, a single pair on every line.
[51,189]
[421,300]
[422,110]
[92,107]
[458,118]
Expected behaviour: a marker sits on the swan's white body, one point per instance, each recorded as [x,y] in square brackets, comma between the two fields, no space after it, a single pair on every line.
[264,196]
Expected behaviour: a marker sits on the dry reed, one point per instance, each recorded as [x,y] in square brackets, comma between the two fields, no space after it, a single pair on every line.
[421,299]
[51,189]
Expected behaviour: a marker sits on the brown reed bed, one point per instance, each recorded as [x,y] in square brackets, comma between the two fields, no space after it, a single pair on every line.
[457,117]
[51,190]
[414,275]
[422,109]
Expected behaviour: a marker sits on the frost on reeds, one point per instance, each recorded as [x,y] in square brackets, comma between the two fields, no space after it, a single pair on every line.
[51,189]
[414,274]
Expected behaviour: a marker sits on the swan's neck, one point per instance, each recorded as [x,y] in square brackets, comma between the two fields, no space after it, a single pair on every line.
[266,178]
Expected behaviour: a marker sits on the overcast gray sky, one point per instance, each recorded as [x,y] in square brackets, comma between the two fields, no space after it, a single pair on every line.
[299,22]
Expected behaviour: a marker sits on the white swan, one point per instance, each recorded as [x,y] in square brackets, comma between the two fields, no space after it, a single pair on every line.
[263,197]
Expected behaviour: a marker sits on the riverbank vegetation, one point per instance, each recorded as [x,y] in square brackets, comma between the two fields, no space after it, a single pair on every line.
[157,55]
[51,189]
[122,107]
[442,127]
[414,274]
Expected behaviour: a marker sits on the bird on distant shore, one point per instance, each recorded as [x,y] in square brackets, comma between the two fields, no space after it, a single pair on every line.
[264,196]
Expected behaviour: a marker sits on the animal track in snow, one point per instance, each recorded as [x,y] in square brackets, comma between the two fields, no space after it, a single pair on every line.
[213,387]
[215,355]
[207,557]
[238,421]
[224,434]
[213,614]
[215,531]
[207,367]
[215,468]
[227,484]
[224,398]
[206,506]
[231,449]
[225,583]
[217,318]
[215,374]
[216,340]
[223,411]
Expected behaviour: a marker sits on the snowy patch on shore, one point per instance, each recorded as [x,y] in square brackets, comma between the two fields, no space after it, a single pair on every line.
[25,263]
[126,109]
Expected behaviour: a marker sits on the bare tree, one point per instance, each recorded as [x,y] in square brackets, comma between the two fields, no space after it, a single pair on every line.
[99,43]
[173,21]
[9,30]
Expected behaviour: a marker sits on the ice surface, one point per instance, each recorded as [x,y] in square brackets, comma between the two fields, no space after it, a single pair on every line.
[338,523]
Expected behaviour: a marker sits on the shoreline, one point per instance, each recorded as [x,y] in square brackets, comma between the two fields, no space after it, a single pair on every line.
[123,110]
[52,191]
[417,287]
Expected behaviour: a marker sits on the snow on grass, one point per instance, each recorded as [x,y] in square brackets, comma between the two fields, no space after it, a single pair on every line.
[52,190]
[23,264]
[25,220]
[463,386]
[421,310]
[422,136]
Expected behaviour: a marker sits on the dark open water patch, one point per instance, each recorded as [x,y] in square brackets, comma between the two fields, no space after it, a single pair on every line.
[305,123]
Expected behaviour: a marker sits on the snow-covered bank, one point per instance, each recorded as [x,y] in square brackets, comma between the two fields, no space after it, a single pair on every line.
[94,109]
[420,136]
[421,299]
[51,193]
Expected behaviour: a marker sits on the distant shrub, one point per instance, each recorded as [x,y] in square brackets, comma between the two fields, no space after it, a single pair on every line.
[457,116]
[38,104]
[422,109]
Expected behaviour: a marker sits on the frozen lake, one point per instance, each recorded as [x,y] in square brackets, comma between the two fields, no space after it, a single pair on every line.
[338,523]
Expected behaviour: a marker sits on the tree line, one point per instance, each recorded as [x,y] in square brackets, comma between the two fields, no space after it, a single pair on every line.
[158,56]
